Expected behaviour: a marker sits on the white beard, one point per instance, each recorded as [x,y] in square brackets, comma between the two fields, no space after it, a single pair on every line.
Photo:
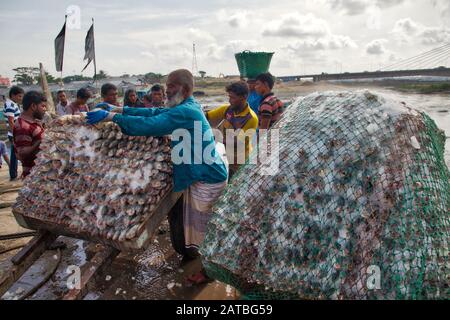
[175,100]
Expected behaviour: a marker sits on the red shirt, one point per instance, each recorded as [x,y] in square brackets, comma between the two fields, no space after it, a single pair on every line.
[27,133]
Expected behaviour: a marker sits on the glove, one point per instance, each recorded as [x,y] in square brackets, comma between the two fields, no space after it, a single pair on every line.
[105,106]
[97,116]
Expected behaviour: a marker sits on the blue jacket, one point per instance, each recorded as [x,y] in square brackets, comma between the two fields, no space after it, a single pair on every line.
[204,165]
[254,100]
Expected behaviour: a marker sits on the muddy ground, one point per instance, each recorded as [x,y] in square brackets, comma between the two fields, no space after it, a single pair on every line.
[157,274]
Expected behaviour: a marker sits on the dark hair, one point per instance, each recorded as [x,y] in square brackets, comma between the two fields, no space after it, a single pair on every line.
[157,88]
[239,88]
[59,92]
[83,93]
[266,78]
[31,97]
[15,90]
[106,88]
[126,99]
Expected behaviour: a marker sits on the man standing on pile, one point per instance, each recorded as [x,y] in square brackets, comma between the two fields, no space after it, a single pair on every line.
[238,119]
[28,129]
[198,169]
[271,107]
[11,112]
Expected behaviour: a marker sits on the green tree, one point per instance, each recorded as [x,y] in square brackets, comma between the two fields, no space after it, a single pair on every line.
[102,75]
[202,74]
[50,78]
[26,75]
[152,77]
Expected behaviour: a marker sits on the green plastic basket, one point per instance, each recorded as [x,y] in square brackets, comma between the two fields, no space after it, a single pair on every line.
[252,64]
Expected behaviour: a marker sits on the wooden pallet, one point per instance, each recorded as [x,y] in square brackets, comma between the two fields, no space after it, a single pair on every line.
[49,232]
[140,243]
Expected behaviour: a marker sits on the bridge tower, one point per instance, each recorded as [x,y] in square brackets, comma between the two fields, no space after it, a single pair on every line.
[194,61]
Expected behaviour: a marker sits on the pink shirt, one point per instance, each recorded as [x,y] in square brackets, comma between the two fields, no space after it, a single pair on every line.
[73,109]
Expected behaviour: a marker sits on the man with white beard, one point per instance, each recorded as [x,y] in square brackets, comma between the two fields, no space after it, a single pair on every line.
[199,171]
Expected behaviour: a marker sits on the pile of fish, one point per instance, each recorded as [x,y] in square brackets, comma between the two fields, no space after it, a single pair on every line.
[359,208]
[96,180]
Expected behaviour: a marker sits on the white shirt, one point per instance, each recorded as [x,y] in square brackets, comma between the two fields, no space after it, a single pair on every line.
[61,110]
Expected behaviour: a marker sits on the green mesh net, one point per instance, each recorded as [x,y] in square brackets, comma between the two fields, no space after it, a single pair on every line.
[359,208]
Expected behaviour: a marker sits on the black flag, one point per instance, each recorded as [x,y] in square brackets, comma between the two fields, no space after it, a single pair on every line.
[89,48]
[59,48]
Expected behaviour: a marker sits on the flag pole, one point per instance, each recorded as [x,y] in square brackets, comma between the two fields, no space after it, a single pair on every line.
[62,82]
[95,60]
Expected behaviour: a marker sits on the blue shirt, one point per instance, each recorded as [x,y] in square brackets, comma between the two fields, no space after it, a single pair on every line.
[254,100]
[11,109]
[195,145]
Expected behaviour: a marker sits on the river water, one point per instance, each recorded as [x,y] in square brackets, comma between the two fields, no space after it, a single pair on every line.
[437,106]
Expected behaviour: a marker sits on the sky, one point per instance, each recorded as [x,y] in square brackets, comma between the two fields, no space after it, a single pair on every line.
[140,36]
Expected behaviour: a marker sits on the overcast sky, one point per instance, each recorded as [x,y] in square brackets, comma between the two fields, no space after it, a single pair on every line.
[145,35]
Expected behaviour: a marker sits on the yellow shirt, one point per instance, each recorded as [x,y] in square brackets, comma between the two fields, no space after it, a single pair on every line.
[248,116]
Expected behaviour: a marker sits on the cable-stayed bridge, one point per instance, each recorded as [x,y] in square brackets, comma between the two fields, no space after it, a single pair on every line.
[430,63]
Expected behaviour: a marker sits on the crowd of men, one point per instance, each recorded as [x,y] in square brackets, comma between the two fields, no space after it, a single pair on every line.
[252,106]
[24,117]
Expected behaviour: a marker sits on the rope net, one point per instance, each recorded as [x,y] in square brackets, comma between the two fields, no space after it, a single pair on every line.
[359,208]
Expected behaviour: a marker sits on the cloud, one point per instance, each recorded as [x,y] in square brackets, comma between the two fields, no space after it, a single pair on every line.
[407,31]
[444,8]
[376,47]
[238,20]
[356,7]
[315,33]
[297,25]
[407,27]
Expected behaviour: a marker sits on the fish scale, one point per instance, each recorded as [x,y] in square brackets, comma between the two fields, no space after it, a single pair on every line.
[96,179]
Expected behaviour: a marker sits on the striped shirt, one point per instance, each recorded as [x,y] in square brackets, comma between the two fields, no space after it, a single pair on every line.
[11,109]
[272,107]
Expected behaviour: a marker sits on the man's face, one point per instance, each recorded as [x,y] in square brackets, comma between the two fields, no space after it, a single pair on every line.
[39,110]
[157,98]
[82,101]
[62,98]
[173,88]
[132,96]
[235,100]
[174,92]
[261,87]
[17,98]
[111,97]
[251,85]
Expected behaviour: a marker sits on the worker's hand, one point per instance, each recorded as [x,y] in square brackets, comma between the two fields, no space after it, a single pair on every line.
[99,115]
[105,106]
